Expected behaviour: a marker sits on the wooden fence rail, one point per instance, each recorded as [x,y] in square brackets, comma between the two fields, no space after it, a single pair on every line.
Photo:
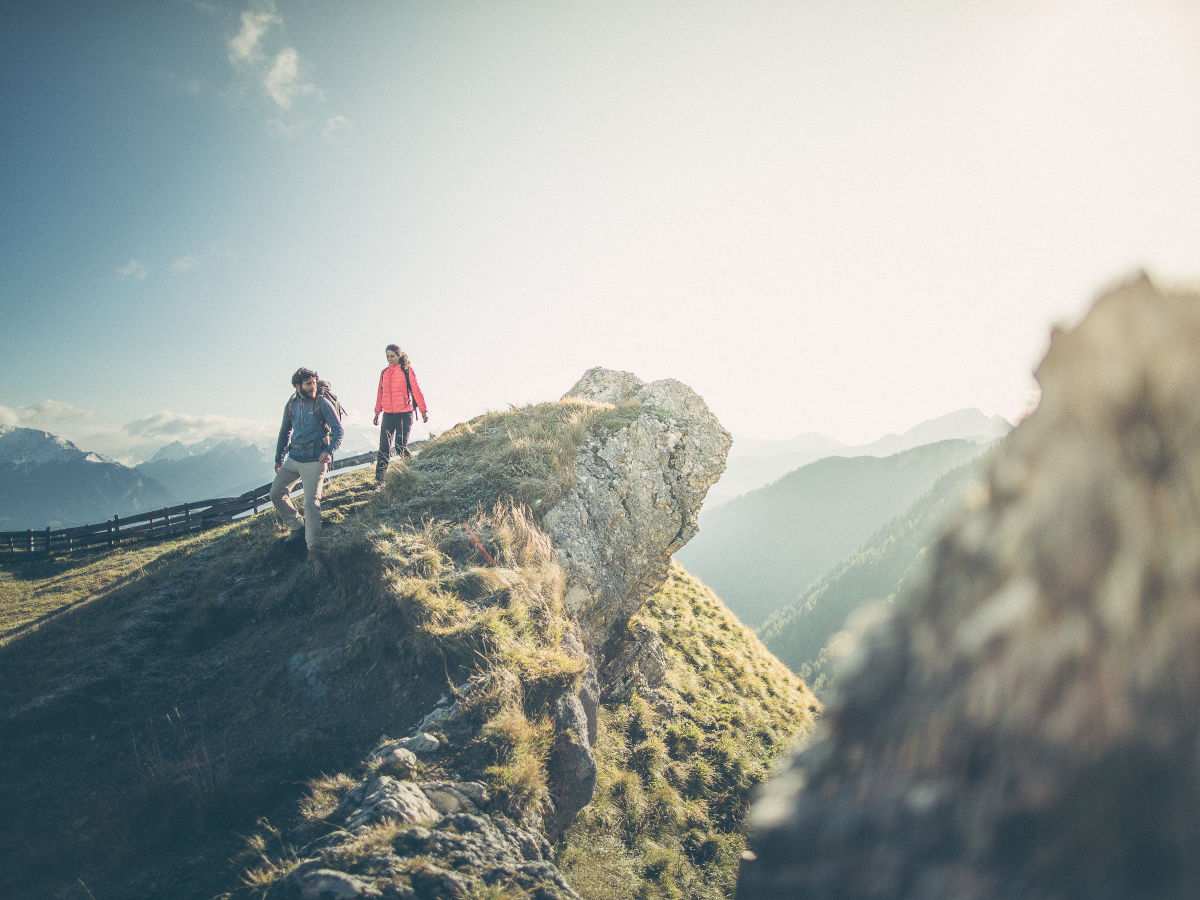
[154,525]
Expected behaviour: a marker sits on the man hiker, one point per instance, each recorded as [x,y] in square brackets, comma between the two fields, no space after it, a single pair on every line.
[398,397]
[310,433]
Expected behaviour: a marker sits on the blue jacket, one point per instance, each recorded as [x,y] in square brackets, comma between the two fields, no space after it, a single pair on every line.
[312,427]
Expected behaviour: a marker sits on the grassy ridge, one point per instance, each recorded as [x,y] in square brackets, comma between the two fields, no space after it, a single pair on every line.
[171,699]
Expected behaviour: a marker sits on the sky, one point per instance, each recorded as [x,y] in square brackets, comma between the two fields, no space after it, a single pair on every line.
[835,217]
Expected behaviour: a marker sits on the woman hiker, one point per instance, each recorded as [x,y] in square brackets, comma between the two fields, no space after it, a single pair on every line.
[398,397]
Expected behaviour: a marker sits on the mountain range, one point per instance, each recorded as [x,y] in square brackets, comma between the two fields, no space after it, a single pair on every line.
[761,550]
[803,633]
[214,467]
[755,463]
[46,481]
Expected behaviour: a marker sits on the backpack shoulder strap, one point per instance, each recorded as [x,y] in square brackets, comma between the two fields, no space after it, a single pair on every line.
[410,390]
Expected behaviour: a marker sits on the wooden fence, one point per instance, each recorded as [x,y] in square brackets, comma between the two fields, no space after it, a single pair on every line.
[149,526]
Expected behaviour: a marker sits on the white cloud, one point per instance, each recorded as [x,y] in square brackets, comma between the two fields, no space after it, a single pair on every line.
[173,425]
[279,72]
[135,441]
[51,414]
[134,269]
[281,81]
[164,427]
[245,46]
[185,264]
[336,125]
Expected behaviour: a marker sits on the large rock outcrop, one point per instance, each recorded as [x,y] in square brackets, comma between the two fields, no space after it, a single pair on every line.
[635,499]
[1025,723]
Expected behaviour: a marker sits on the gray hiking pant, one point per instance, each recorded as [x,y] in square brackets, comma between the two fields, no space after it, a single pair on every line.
[313,476]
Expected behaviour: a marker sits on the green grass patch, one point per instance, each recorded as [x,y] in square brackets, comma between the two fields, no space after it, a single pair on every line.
[525,455]
[673,789]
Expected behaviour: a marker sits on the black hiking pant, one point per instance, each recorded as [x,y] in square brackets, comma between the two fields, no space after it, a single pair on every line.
[393,432]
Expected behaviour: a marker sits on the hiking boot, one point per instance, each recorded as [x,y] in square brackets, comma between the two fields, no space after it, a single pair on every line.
[295,542]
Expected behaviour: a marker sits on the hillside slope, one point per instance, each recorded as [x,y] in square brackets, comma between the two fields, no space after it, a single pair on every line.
[230,721]
[760,551]
[799,634]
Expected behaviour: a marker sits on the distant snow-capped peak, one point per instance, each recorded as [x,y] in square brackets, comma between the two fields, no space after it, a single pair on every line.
[29,446]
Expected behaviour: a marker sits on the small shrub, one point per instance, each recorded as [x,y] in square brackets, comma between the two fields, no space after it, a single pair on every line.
[369,841]
[520,748]
[648,758]
[700,777]
[683,738]
[641,721]
[273,859]
[324,794]
[656,862]
[701,846]
[601,868]
[664,809]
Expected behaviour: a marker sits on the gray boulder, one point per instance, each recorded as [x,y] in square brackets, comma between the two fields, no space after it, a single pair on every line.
[1023,723]
[636,497]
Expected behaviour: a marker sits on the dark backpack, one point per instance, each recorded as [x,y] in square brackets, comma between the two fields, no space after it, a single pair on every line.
[325,390]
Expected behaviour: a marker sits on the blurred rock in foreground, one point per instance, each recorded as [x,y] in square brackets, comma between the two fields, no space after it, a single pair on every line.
[1025,723]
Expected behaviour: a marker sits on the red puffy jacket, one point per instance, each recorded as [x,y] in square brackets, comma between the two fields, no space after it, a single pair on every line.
[393,391]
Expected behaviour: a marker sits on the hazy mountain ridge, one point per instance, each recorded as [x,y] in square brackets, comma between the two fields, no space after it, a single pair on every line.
[33,447]
[757,463]
[214,467]
[760,551]
[800,634]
